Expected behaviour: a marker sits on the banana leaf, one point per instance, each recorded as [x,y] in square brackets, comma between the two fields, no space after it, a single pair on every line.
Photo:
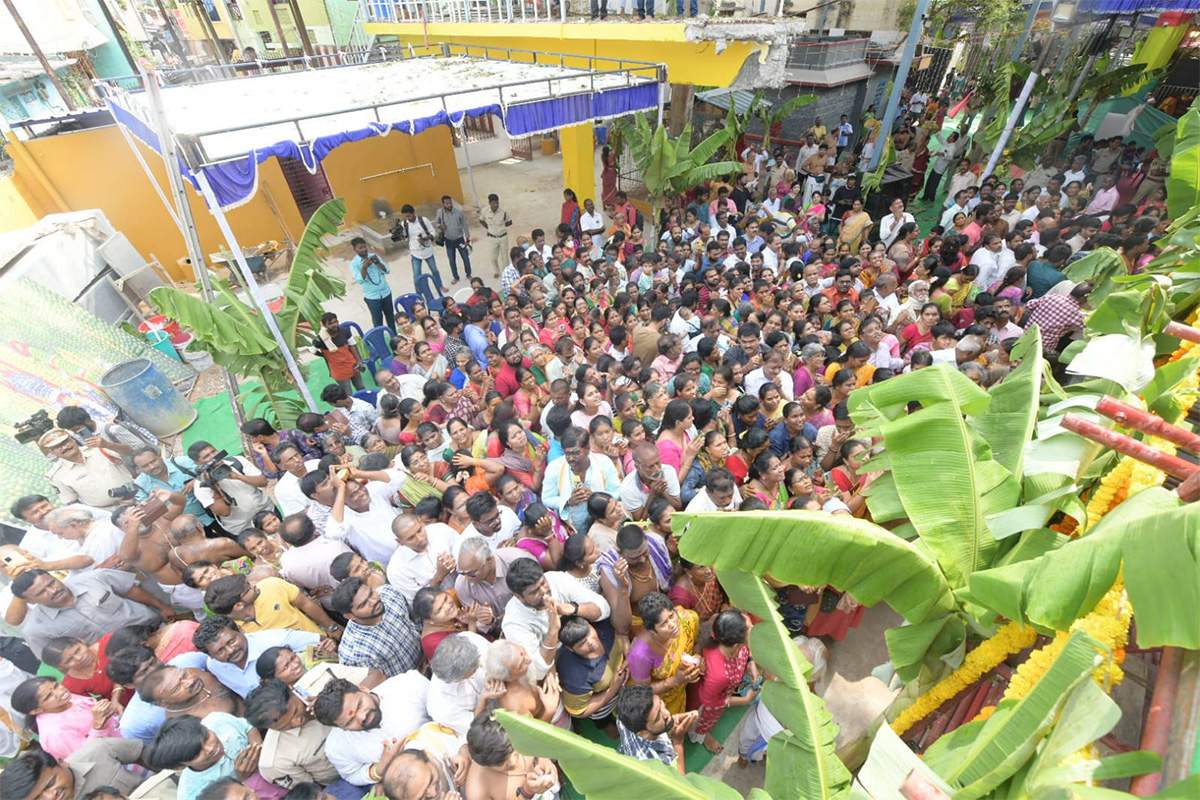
[602,773]
[1186,789]
[805,766]
[888,764]
[309,284]
[1183,184]
[938,440]
[1010,418]
[1159,394]
[811,548]
[228,329]
[1153,536]
[980,756]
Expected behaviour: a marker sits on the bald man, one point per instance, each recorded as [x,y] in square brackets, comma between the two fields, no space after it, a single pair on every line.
[189,544]
[425,556]
[650,479]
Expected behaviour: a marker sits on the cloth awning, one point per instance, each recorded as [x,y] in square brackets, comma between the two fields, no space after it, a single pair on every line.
[723,98]
[1137,6]
[229,127]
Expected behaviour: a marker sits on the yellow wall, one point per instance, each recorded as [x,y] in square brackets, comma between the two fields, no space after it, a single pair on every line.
[349,163]
[687,62]
[15,212]
[96,169]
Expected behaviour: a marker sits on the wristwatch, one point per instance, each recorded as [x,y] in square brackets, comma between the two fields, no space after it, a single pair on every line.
[333,628]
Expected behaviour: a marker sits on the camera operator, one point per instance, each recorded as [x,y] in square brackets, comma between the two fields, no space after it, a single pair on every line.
[112,436]
[83,474]
[229,487]
[178,474]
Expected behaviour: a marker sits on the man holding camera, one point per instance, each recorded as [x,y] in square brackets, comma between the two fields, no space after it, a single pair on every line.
[173,475]
[229,487]
[83,474]
[371,273]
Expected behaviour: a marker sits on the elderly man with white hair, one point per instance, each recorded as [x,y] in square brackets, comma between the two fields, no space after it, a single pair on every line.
[459,689]
[83,534]
[481,575]
[509,663]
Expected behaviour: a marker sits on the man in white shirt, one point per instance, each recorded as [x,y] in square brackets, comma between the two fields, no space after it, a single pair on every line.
[885,293]
[1077,172]
[456,690]
[962,178]
[363,721]
[719,493]
[591,223]
[649,479]
[234,500]
[987,259]
[540,599]
[959,206]
[490,521]
[917,102]
[891,222]
[287,489]
[1008,210]
[80,532]
[361,513]
[420,233]
[424,557]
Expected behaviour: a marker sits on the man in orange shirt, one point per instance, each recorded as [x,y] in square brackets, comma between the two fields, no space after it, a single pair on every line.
[842,289]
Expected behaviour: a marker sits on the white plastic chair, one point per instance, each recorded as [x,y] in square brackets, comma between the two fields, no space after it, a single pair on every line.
[463,295]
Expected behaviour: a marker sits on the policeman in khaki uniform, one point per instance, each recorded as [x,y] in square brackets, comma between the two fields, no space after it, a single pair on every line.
[83,474]
[496,223]
[293,748]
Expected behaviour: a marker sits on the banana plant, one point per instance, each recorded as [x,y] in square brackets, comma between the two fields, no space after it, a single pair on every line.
[1183,184]
[1024,750]
[1152,539]
[773,115]
[801,762]
[669,168]
[237,337]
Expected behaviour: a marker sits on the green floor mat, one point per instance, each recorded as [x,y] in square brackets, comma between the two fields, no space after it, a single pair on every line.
[214,418]
[695,756]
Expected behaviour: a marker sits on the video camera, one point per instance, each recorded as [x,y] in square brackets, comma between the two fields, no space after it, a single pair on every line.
[218,469]
[32,429]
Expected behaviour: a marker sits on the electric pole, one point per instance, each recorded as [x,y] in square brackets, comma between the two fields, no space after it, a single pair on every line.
[301,31]
[41,57]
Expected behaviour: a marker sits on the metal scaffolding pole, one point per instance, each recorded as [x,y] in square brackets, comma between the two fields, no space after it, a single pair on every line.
[187,223]
[906,59]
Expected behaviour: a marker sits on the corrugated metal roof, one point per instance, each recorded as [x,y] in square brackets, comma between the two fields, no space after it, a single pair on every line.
[721,98]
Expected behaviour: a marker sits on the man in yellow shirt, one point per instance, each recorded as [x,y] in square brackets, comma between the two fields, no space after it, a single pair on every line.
[271,604]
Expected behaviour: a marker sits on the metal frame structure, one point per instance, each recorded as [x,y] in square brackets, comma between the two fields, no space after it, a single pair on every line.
[189,148]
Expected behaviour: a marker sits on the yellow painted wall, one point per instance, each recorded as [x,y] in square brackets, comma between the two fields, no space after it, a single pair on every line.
[15,212]
[96,169]
[347,165]
[697,63]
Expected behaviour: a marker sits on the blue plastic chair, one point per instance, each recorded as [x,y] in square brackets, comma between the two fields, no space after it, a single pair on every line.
[405,303]
[378,346]
[369,395]
[354,326]
[428,288]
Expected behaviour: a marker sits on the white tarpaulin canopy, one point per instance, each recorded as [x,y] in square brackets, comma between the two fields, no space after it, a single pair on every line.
[58,26]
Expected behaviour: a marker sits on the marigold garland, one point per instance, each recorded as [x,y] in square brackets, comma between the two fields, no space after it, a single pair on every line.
[1107,623]
[1009,639]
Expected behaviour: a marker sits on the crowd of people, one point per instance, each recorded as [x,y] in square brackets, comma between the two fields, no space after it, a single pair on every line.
[338,611]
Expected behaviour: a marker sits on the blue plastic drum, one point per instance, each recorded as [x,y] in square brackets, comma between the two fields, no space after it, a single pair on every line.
[148,397]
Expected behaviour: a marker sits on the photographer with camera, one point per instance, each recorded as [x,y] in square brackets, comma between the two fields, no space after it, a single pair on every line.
[176,474]
[371,273]
[112,436]
[230,487]
[83,474]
